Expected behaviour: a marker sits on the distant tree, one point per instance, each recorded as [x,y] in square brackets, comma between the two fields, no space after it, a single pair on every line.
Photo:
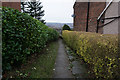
[66,27]
[34,9]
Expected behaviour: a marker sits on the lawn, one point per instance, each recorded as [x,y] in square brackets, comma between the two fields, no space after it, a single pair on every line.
[38,66]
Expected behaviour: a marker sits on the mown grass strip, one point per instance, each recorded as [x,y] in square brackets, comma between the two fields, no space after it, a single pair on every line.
[41,66]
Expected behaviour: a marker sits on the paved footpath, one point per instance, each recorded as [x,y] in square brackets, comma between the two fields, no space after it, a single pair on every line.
[62,63]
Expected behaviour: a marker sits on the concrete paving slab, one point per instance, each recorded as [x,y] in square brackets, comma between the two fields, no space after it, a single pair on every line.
[62,63]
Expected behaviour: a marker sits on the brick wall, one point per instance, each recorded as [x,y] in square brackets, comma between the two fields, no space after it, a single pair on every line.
[80,11]
[15,5]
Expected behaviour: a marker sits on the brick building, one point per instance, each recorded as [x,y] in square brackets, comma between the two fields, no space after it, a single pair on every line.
[16,4]
[86,14]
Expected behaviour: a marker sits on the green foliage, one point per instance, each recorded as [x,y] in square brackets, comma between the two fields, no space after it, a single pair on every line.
[22,35]
[34,9]
[98,50]
[40,66]
[66,27]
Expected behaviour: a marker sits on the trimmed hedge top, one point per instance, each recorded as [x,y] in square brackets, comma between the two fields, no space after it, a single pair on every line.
[99,50]
[22,35]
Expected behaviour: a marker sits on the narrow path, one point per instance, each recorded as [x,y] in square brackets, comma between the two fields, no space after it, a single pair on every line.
[62,63]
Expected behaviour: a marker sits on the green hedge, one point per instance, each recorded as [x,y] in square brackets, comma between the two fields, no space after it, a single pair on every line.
[98,50]
[22,35]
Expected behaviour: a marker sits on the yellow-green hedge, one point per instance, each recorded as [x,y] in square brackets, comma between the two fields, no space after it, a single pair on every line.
[99,50]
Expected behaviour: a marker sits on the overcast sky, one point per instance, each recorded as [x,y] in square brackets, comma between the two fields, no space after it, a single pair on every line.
[58,10]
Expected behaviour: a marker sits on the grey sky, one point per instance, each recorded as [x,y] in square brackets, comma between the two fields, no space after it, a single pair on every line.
[58,10]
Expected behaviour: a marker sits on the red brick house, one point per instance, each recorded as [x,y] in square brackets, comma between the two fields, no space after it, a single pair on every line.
[86,14]
[16,4]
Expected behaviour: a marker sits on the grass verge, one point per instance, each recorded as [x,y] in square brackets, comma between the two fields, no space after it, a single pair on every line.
[38,66]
